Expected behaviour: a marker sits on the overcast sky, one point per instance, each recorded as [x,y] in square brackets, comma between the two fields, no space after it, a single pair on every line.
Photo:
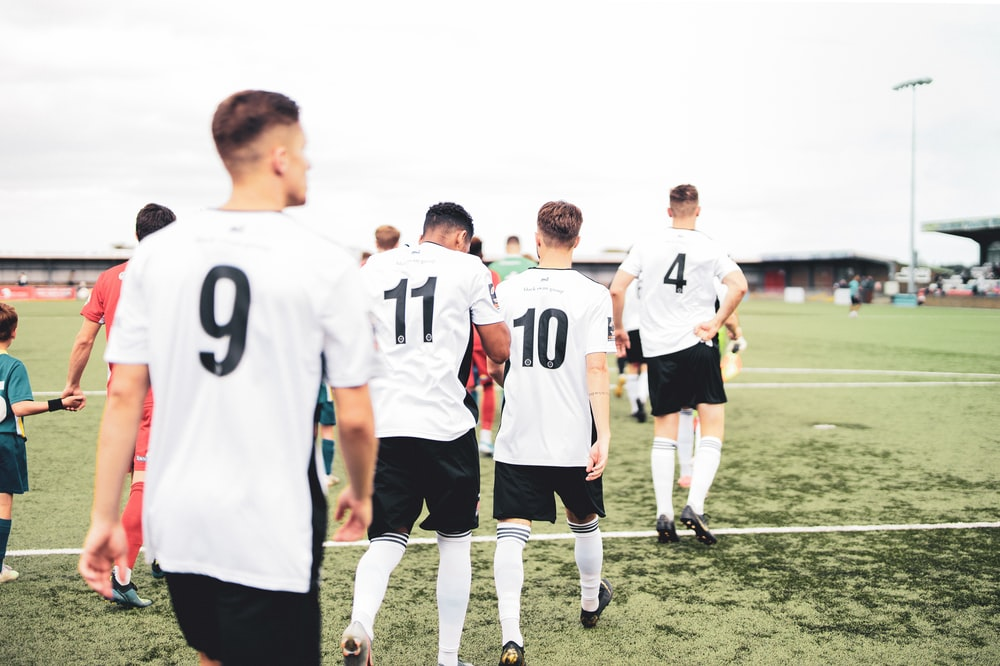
[782,114]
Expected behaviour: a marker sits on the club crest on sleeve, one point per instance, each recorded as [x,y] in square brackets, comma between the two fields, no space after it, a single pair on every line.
[493,295]
[611,330]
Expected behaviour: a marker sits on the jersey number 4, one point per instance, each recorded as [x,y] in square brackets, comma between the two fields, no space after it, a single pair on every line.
[426,293]
[545,334]
[675,274]
[236,328]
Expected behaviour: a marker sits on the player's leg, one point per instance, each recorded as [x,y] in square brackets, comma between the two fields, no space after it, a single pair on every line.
[508,577]
[709,454]
[584,502]
[396,503]
[685,445]
[123,590]
[665,401]
[451,489]
[6,507]
[487,412]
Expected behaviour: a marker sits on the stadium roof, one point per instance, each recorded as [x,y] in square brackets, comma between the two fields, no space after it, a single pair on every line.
[969,227]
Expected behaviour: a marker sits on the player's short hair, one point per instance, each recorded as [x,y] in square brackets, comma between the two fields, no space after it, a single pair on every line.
[559,223]
[448,215]
[8,321]
[513,239]
[684,198]
[243,117]
[152,217]
[386,237]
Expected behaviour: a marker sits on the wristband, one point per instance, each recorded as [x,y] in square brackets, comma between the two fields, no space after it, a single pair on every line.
[55,404]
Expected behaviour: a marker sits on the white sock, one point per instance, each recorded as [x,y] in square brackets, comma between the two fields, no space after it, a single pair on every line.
[122,574]
[372,577]
[454,583]
[662,462]
[706,464]
[508,574]
[685,440]
[589,554]
[632,391]
[486,436]
[643,387]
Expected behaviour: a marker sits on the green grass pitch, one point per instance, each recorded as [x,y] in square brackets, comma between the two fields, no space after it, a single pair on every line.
[916,444]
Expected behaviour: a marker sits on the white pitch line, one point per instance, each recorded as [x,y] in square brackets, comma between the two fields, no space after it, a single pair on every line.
[804,529]
[787,385]
[843,371]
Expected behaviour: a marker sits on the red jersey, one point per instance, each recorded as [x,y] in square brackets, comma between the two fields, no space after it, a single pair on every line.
[103,301]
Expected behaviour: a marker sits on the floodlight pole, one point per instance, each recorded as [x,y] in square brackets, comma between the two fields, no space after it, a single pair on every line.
[911,283]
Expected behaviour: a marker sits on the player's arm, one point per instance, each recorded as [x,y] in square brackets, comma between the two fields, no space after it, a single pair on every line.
[496,341]
[497,371]
[359,449]
[32,407]
[736,284]
[618,286]
[79,356]
[105,544]
[600,405]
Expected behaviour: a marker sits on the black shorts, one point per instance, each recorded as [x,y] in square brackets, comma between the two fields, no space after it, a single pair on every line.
[236,624]
[527,492]
[687,378]
[855,300]
[634,352]
[411,471]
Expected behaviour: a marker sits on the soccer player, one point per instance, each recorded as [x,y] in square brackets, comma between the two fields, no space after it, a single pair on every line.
[16,402]
[514,262]
[230,313]
[678,323]
[426,299]
[636,380]
[480,374]
[100,310]
[326,419]
[555,424]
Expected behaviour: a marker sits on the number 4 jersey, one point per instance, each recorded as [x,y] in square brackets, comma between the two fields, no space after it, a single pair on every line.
[556,318]
[425,299]
[234,312]
[676,269]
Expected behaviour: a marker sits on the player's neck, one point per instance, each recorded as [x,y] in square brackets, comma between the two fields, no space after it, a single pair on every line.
[684,222]
[254,197]
[556,258]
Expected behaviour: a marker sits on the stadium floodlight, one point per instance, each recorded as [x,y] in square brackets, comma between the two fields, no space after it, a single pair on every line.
[913,83]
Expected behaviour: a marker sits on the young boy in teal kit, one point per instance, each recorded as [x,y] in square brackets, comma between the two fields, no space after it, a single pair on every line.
[16,402]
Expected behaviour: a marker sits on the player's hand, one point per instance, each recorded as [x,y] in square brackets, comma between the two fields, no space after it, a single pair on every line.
[73,391]
[74,403]
[621,342]
[706,330]
[358,512]
[598,460]
[104,546]
[737,345]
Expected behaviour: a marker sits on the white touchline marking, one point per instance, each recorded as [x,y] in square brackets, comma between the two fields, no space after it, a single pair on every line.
[801,529]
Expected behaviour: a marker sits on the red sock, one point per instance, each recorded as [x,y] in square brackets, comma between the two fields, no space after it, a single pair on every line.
[489,407]
[132,521]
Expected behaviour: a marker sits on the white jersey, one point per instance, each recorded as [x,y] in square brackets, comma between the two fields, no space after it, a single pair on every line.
[233,312]
[676,270]
[556,317]
[424,300]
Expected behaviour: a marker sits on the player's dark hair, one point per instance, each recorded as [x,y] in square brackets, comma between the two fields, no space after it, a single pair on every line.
[449,216]
[8,321]
[559,222]
[152,217]
[242,117]
[683,196]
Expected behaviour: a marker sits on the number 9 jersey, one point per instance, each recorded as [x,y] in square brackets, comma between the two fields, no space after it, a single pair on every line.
[234,313]
[676,270]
